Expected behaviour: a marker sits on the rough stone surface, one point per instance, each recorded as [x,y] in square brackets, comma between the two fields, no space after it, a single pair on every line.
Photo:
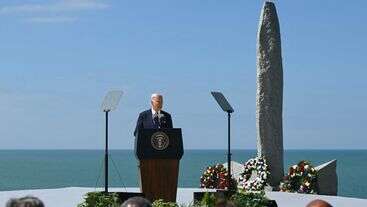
[327,179]
[269,97]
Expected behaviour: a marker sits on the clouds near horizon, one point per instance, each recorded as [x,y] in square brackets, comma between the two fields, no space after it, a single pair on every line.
[52,11]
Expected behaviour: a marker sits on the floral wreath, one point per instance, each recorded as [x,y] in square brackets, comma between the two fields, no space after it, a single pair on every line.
[258,165]
[301,178]
[215,177]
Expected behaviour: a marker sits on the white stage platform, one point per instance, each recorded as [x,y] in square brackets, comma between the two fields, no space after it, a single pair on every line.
[70,197]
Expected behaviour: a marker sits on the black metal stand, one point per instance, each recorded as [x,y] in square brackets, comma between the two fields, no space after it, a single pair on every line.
[106,157]
[229,151]
[122,195]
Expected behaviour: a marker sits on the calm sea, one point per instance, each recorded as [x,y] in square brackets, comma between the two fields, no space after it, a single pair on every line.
[31,169]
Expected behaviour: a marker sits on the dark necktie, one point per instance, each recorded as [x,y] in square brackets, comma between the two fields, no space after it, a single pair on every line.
[155,121]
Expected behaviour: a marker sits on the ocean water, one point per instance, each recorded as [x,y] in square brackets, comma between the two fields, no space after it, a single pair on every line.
[34,169]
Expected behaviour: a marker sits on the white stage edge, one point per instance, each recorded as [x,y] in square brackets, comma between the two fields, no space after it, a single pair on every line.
[72,196]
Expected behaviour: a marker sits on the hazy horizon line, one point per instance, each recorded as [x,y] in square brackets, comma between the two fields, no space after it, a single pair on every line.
[236,149]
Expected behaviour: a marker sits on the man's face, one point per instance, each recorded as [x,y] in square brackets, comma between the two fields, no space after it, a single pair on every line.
[157,103]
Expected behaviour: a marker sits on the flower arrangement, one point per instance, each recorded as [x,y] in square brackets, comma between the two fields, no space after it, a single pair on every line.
[215,177]
[301,178]
[259,166]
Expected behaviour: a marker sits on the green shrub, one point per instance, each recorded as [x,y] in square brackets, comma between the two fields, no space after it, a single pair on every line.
[161,203]
[239,199]
[250,199]
[208,200]
[100,199]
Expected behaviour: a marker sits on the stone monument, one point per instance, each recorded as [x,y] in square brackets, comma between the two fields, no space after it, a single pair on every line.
[327,178]
[269,96]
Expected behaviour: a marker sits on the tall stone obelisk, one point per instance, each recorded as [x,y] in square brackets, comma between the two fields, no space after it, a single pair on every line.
[269,96]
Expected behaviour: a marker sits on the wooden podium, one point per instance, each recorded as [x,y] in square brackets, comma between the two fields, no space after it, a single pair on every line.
[159,152]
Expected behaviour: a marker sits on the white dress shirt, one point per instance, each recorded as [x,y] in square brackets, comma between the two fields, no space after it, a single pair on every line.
[155,112]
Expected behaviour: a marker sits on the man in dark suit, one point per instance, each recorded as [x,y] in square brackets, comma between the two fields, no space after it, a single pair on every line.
[154,118]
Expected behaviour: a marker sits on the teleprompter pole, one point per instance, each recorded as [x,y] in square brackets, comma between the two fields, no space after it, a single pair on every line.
[106,157]
[229,151]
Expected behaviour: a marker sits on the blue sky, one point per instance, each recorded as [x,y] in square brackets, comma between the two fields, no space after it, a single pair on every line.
[60,57]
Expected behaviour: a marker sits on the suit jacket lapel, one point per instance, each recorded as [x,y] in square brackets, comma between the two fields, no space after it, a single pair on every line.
[150,118]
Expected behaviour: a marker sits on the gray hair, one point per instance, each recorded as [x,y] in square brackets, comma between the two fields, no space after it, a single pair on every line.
[136,202]
[27,201]
[155,95]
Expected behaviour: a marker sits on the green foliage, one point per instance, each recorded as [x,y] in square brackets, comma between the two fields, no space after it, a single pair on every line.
[239,199]
[100,199]
[250,199]
[161,203]
[208,200]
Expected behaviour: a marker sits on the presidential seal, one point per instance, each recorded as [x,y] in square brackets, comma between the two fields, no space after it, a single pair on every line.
[159,141]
